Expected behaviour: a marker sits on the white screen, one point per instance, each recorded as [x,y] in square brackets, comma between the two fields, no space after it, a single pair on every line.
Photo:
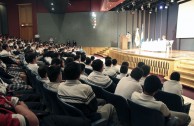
[185,24]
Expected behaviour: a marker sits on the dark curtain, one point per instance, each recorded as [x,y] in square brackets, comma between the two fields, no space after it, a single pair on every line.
[3,20]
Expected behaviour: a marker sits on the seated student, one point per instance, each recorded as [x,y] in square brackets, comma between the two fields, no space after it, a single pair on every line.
[83,76]
[146,72]
[88,63]
[115,67]
[173,85]
[151,85]
[108,69]
[77,58]
[68,60]
[123,72]
[83,58]
[55,77]
[130,84]
[98,78]
[42,72]
[126,64]
[21,112]
[82,94]
[32,62]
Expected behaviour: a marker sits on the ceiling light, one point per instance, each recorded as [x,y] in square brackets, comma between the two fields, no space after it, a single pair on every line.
[52,8]
[52,4]
[161,7]
[171,1]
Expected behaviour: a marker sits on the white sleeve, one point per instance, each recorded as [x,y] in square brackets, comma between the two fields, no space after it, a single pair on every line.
[20,118]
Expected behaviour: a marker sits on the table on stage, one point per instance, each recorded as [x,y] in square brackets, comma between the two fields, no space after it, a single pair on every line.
[160,46]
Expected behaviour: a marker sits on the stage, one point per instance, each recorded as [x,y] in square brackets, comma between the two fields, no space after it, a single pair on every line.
[161,63]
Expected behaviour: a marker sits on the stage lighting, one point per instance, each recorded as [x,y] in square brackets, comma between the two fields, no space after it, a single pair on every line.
[171,1]
[150,11]
[52,4]
[93,14]
[161,7]
[142,8]
[52,8]
[166,7]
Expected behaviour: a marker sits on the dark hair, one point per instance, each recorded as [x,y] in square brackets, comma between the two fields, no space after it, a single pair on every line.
[53,73]
[124,69]
[125,63]
[72,71]
[5,46]
[152,84]
[56,62]
[29,57]
[108,58]
[114,61]
[136,73]
[82,66]
[175,76]
[83,58]
[97,65]
[92,58]
[140,64]
[55,55]
[108,62]
[76,57]
[88,61]
[146,70]
[68,60]
[42,71]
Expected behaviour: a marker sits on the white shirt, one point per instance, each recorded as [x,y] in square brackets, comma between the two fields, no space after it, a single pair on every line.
[141,81]
[109,71]
[127,86]
[5,53]
[83,77]
[33,68]
[116,68]
[88,67]
[52,86]
[173,86]
[150,102]
[121,75]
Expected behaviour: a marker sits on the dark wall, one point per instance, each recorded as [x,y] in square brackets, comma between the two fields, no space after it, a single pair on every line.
[78,27]
[3,20]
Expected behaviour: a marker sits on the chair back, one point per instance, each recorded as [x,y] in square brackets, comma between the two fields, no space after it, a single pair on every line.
[118,102]
[143,116]
[173,102]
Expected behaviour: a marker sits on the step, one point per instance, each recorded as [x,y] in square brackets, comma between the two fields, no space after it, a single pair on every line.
[185,72]
[187,62]
[186,67]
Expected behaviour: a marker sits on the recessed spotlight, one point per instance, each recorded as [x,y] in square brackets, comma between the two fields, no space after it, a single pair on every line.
[161,7]
[52,4]
[53,9]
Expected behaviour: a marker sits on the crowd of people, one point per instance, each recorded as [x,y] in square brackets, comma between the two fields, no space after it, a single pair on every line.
[70,73]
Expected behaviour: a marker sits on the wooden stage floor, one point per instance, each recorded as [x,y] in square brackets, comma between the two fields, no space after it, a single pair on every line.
[174,54]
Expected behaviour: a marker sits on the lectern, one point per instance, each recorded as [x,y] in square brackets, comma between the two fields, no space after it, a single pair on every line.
[123,42]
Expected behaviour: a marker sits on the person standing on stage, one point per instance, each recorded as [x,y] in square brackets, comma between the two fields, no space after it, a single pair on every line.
[129,40]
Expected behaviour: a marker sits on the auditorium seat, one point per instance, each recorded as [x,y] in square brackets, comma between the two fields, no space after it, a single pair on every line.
[174,102]
[118,102]
[143,116]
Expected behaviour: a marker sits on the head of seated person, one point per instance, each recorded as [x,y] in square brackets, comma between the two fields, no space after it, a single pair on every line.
[108,58]
[92,58]
[77,58]
[56,62]
[152,84]
[5,47]
[31,58]
[175,76]
[83,58]
[88,61]
[114,62]
[125,63]
[124,69]
[146,70]
[72,71]
[97,65]
[42,71]
[108,62]
[54,74]
[56,55]
[69,60]
[140,64]
[136,73]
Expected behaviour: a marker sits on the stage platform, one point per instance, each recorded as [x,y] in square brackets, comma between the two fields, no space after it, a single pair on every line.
[161,63]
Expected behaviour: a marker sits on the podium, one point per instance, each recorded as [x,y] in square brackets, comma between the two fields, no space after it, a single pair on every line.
[123,42]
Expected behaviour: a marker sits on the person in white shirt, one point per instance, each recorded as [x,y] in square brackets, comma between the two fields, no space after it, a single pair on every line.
[146,72]
[123,72]
[55,77]
[32,62]
[83,76]
[108,69]
[88,63]
[173,85]
[42,72]
[130,84]
[151,85]
[6,50]
[115,67]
